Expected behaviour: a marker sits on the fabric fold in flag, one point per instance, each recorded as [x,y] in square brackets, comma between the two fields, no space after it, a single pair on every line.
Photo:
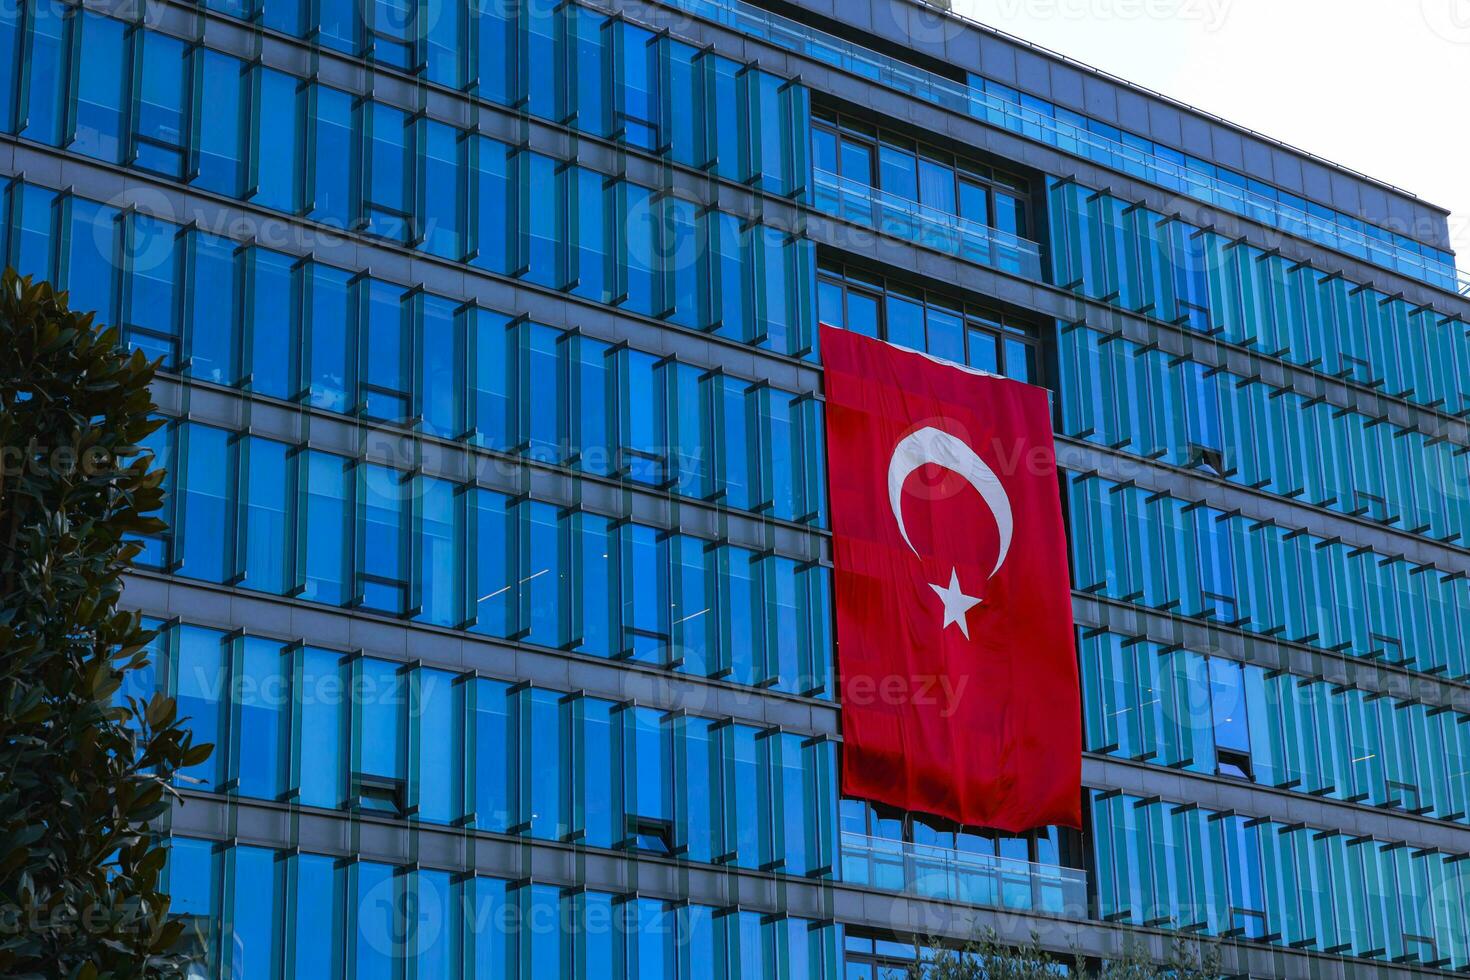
[959,684]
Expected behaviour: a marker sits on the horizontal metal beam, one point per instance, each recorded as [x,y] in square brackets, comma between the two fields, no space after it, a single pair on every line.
[292,620]
[456,461]
[289,620]
[282,826]
[1218,640]
[1386,540]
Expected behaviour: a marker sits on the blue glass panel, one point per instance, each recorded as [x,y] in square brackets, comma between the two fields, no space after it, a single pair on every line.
[392,32]
[441,208]
[381,908]
[593,589]
[492,408]
[905,321]
[255,949]
[641,224]
[383,706]
[538,27]
[492,50]
[206,522]
[193,884]
[778,577]
[495,770]
[102,77]
[327,527]
[590,59]
[730,313]
[541,578]
[284,16]
[540,395]
[682,251]
[220,156]
[728,120]
[683,105]
[339,23]
[12,31]
[493,210]
[697,946]
[333,177]
[383,360]
[44,113]
[322,699]
[212,333]
[591,403]
[778,309]
[742,629]
[264,694]
[638,105]
[441,366]
[272,348]
[331,335]
[91,260]
[159,125]
[773,131]
[440,568]
[651,925]
[542,203]
[744,821]
[700,830]
[642,422]
[591,247]
[492,588]
[383,582]
[796,815]
[202,686]
[388,186]
[277,133]
[269,501]
[541,951]
[643,568]
[444,35]
[438,728]
[648,790]
[430,940]
[158,448]
[545,760]
[151,310]
[600,771]
[693,614]
[318,924]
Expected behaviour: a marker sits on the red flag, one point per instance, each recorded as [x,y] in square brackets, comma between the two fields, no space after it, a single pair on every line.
[954,604]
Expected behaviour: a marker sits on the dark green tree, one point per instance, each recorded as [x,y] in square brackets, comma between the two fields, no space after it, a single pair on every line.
[83,772]
[989,959]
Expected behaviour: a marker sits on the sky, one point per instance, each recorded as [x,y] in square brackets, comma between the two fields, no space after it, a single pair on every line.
[1379,86]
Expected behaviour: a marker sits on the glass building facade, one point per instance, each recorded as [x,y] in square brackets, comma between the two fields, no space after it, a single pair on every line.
[498,566]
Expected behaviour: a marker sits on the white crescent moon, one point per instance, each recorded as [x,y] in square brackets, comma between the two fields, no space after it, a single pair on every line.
[931,445]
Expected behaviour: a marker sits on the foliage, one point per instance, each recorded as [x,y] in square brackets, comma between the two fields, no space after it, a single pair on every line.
[989,959]
[83,772]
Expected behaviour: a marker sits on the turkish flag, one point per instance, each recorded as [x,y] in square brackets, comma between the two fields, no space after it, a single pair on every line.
[954,603]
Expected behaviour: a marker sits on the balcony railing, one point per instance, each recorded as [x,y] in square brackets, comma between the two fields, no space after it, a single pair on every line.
[958,876]
[1014,116]
[900,217]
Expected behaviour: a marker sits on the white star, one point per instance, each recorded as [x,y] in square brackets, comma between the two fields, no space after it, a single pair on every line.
[956,603]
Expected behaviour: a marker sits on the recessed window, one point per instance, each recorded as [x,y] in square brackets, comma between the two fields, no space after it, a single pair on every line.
[945,326]
[849,151]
